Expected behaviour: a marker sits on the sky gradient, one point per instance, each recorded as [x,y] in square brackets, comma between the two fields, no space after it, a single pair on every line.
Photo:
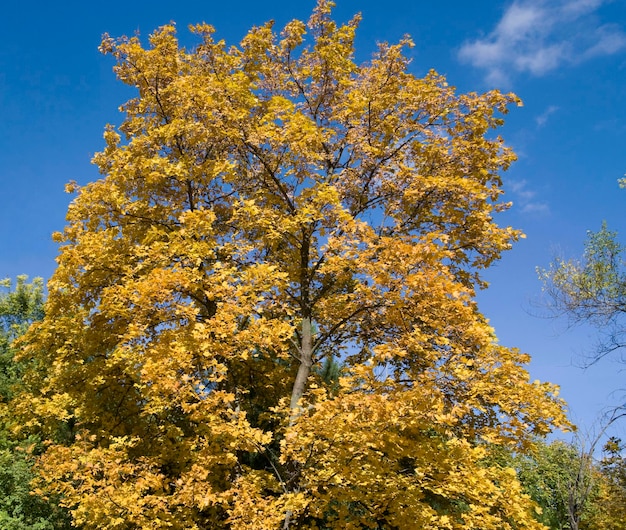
[566,59]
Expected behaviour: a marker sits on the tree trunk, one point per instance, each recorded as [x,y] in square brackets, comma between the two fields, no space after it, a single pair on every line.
[299,385]
[306,362]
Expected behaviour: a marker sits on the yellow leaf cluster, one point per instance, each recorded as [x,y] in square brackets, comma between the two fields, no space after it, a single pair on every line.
[263,314]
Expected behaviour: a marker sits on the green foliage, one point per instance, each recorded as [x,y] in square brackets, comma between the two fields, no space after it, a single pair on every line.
[572,489]
[545,477]
[592,289]
[558,478]
[18,309]
[19,509]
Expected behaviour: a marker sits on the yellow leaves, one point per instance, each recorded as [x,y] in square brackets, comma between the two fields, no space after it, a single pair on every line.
[196,224]
[349,447]
[259,40]
[292,35]
[251,510]
[71,187]
[263,313]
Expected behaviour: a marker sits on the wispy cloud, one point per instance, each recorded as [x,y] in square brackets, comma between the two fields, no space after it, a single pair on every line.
[525,198]
[538,36]
[536,208]
[542,119]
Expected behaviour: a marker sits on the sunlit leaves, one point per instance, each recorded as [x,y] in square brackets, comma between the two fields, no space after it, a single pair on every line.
[265,211]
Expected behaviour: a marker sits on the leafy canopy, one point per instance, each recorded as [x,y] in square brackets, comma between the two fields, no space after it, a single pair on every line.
[267,210]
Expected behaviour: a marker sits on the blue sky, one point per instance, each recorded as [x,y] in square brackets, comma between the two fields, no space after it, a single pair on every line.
[565,58]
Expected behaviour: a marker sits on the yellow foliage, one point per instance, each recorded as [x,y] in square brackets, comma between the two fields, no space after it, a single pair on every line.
[264,210]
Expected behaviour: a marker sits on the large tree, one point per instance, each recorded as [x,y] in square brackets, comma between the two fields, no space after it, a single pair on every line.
[266,210]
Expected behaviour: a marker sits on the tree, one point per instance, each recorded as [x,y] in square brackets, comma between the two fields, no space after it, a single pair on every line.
[592,290]
[573,489]
[19,510]
[265,209]
[546,474]
[611,512]
[19,308]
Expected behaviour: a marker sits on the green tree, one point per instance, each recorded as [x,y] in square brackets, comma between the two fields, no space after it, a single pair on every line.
[592,289]
[574,490]
[19,308]
[19,509]
[564,481]
[546,475]
[263,314]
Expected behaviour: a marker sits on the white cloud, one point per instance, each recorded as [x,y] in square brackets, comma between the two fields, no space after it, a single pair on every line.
[581,7]
[519,188]
[541,60]
[519,21]
[538,36]
[536,208]
[525,198]
[608,40]
[542,119]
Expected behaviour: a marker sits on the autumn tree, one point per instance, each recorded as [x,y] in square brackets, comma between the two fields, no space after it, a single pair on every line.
[269,212]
